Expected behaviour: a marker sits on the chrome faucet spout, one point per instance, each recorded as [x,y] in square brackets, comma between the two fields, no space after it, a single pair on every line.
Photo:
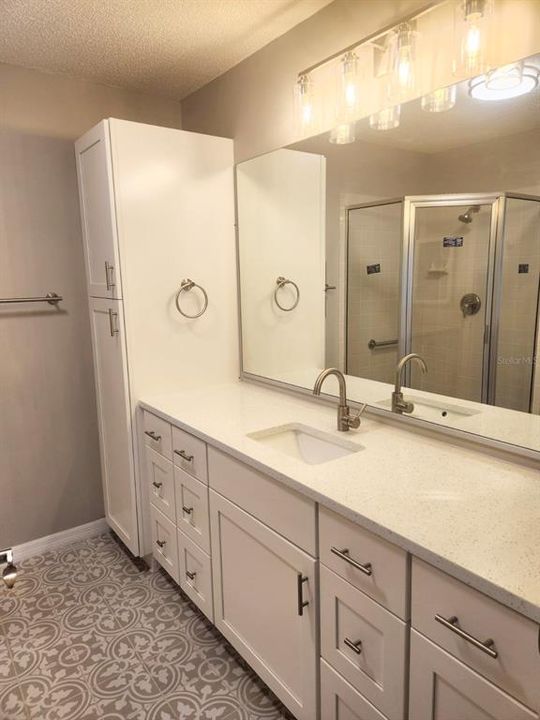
[399,405]
[345,420]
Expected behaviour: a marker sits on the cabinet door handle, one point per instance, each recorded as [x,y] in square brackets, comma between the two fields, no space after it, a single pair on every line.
[152,434]
[112,326]
[161,543]
[187,510]
[366,568]
[354,646]
[191,575]
[301,579]
[183,454]
[108,273]
[486,646]
[156,484]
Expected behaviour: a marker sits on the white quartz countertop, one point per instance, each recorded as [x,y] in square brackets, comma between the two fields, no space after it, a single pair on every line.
[476,517]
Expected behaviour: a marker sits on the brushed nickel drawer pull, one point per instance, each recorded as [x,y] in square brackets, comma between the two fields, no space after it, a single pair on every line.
[112,325]
[486,646]
[108,270]
[161,543]
[344,555]
[152,434]
[191,575]
[301,579]
[187,510]
[183,454]
[354,646]
[156,484]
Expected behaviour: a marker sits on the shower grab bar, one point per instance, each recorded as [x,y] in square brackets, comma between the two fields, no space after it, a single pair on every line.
[381,343]
[52,298]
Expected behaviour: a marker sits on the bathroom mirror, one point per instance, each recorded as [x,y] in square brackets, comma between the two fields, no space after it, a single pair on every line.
[420,237]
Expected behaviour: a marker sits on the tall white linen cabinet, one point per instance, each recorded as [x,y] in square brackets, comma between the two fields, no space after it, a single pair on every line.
[157,207]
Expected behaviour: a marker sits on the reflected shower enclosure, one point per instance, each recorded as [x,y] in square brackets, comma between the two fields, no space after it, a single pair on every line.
[455,278]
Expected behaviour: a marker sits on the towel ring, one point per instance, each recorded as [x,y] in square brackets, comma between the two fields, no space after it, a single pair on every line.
[280,283]
[185,286]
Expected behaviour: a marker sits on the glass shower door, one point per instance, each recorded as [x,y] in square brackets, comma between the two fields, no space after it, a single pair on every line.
[450,296]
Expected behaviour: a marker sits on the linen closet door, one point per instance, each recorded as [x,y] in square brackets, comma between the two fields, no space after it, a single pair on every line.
[114,415]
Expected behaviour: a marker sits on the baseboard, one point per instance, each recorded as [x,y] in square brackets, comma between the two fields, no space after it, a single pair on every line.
[59,540]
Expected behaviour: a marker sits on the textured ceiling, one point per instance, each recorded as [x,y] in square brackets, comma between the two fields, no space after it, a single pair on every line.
[170,47]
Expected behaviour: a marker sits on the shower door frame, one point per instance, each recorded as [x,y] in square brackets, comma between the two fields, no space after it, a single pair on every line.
[410,205]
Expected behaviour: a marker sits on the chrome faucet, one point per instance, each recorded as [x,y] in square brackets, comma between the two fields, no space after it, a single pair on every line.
[345,420]
[399,405]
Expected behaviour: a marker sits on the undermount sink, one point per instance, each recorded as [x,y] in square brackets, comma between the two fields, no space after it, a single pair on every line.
[305,443]
[432,409]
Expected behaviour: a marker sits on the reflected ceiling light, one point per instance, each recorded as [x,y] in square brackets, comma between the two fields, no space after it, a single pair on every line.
[387,119]
[440,100]
[304,102]
[343,134]
[348,72]
[9,574]
[404,60]
[504,83]
[473,19]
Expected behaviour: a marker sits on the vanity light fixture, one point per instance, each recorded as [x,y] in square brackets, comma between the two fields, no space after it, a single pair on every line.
[504,83]
[343,134]
[472,26]
[386,119]
[440,100]
[304,101]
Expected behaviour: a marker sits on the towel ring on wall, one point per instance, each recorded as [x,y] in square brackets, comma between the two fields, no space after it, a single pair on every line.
[185,286]
[280,283]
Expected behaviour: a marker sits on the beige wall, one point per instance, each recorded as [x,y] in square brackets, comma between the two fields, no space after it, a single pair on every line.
[253,102]
[49,455]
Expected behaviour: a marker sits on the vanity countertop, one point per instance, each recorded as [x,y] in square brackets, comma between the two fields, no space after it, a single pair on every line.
[474,516]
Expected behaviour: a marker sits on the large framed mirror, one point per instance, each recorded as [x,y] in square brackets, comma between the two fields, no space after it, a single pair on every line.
[421,237]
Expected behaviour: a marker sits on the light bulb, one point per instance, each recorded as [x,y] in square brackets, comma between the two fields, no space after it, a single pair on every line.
[349,84]
[343,134]
[474,35]
[387,119]
[439,100]
[404,64]
[304,102]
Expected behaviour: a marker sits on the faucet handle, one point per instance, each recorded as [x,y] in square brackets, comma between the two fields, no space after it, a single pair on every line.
[353,421]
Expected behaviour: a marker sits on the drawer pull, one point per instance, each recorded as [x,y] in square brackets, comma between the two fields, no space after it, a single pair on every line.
[344,555]
[161,543]
[187,510]
[300,589]
[152,434]
[183,454]
[354,646]
[191,575]
[486,646]
[156,484]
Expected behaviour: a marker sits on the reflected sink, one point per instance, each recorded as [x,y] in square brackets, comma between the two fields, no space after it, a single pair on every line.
[432,409]
[305,443]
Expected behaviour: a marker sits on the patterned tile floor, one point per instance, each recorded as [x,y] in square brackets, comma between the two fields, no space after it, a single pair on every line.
[87,634]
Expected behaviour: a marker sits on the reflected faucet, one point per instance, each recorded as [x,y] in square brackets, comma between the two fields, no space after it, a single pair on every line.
[345,420]
[399,405]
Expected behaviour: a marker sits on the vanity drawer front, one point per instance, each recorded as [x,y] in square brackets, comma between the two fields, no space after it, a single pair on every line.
[189,453]
[192,508]
[340,701]
[284,510]
[157,434]
[385,575]
[195,568]
[365,643]
[160,481]
[516,668]
[164,542]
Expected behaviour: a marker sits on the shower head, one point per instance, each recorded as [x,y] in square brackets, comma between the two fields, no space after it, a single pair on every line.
[467,216]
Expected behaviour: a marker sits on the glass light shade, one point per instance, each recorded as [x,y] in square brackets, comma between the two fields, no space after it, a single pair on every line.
[404,58]
[343,134]
[473,29]
[440,100]
[348,85]
[304,103]
[387,119]
[505,82]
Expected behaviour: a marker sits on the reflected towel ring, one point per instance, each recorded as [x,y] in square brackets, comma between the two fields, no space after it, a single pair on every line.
[185,286]
[280,283]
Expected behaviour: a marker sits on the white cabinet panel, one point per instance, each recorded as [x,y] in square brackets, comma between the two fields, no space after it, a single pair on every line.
[442,688]
[195,570]
[192,508]
[261,582]
[94,172]
[160,482]
[157,434]
[189,453]
[340,701]
[114,418]
[164,542]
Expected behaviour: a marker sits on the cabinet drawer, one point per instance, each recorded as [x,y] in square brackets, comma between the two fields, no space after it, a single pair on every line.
[340,701]
[189,453]
[157,434]
[442,688]
[343,546]
[164,543]
[364,642]
[516,668]
[160,481]
[284,510]
[192,508]
[195,568]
